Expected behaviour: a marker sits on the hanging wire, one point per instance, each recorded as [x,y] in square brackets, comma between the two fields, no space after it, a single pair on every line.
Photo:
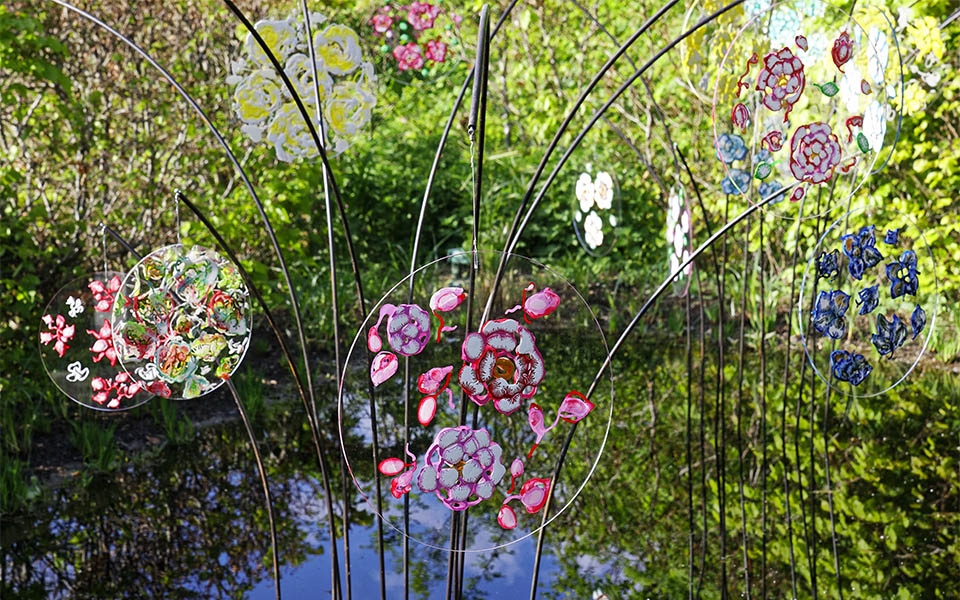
[103,242]
[176,208]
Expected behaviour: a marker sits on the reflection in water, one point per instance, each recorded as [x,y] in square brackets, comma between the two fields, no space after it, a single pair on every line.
[189,521]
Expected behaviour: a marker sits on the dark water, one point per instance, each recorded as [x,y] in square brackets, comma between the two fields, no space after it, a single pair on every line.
[188,520]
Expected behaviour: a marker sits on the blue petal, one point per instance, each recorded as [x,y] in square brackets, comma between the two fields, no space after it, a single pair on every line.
[917,320]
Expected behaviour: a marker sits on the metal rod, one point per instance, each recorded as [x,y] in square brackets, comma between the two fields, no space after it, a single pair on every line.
[120,240]
[263,482]
[743,318]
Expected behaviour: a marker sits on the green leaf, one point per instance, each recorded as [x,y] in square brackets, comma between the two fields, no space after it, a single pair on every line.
[862,143]
[829,88]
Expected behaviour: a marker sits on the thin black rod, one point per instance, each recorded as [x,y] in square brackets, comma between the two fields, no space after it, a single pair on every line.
[613,350]
[243,175]
[258,295]
[740,350]
[126,245]
[334,300]
[783,409]
[763,420]
[477,132]
[703,445]
[263,482]
[720,416]
[689,456]
[514,232]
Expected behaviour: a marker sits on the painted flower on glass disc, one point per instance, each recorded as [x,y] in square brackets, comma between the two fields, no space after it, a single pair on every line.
[736,182]
[753,8]
[827,264]
[781,80]
[902,274]
[381,21]
[103,346]
[346,85]
[861,250]
[585,192]
[849,367]
[868,299]
[828,313]
[784,25]
[436,51]
[59,333]
[603,190]
[874,124]
[890,335]
[422,15]
[462,467]
[730,147]
[842,50]
[878,54]
[501,363]
[768,188]
[409,56]
[814,152]
[593,230]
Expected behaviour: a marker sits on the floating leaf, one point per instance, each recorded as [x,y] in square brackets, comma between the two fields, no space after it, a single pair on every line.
[862,143]
[829,89]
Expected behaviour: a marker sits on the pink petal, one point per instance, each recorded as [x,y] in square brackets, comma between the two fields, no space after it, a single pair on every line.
[48,320]
[114,285]
[60,347]
[506,517]
[533,494]
[447,299]
[383,367]
[99,346]
[60,321]
[516,468]
[426,410]
[46,337]
[575,407]
[391,466]
[541,304]
[374,343]
[102,306]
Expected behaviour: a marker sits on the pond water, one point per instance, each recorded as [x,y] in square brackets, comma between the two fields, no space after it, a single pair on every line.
[188,520]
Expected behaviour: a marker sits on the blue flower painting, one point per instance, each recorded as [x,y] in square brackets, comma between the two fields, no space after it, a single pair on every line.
[828,313]
[890,335]
[917,320]
[736,183]
[828,265]
[849,367]
[730,147]
[861,249]
[902,274]
[868,299]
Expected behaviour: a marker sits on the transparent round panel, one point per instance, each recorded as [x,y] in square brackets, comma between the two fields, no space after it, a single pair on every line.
[346,82]
[76,346]
[182,320]
[596,210]
[414,43]
[517,380]
[802,99]
[868,301]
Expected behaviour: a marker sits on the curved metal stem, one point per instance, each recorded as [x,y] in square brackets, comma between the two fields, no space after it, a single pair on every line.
[263,482]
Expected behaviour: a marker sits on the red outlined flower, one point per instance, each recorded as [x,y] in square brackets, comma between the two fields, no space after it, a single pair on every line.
[422,15]
[103,347]
[408,56]
[740,116]
[814,152]
[123,385]
[381,22]
[436,51]
[104,293]
[842,50]
[60,333]
[781,80]
[502,363]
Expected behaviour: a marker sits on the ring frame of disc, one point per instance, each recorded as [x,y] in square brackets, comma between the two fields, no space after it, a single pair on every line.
[74,372]
[812,106]
[860,327]
[610,218]
[211,361]
[429,518]
[386,65]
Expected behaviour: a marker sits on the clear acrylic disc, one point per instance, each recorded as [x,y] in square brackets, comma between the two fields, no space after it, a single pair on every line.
[76,345]
[802,99]
[596,211]
[182,319]
[523,373]
[865,335]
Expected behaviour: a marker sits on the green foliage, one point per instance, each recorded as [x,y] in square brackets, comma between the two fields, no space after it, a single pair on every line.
[96,444]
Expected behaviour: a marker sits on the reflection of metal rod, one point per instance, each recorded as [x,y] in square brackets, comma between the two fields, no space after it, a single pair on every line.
[263,482]
[120,240]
